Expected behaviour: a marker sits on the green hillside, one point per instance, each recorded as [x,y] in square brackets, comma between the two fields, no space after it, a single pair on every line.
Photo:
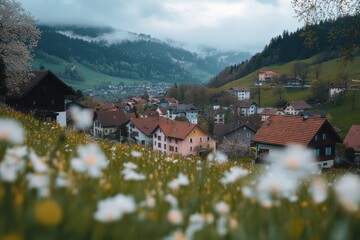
[92,78]
[329,70]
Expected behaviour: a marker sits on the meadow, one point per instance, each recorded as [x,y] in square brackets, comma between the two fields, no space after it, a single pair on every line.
[60,184]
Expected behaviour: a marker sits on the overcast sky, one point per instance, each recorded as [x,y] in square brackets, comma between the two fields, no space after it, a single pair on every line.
[242,25]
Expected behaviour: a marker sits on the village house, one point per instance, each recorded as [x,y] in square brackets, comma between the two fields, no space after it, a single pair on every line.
[266,76]
[314,133]
[175,137]
[167,102]
[219,116]
[268,112]
[43,94]
[107,123]
[246,108]
[335,90]
[140,130]
[236,131]
[295,107]
[183,110]
[241,93]
[352,140]
[291,82]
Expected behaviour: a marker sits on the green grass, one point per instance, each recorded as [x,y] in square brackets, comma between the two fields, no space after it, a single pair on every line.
[93,79]
[201,75]
[342,113]
[68,212]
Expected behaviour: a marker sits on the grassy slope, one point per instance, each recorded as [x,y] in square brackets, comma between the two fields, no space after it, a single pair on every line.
[92,78]
[68,213]
[342,115]
[95,78]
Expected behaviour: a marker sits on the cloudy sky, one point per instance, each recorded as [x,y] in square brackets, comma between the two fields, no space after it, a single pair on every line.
[243,25]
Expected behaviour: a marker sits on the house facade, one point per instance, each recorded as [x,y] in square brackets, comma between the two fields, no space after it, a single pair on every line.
[266,76]
[167,102]
[246,108]
[43,93]
[107,123]
[314,133]
[295,107]
[174,137]
[140,130]
[235,132]
[183,110]
[335,90]
[241,93]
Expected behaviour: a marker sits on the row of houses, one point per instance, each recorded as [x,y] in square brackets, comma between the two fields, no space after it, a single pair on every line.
[44,95]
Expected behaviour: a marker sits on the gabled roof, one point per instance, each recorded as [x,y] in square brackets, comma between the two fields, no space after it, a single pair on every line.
[34,78]
[352,139]
[298,105]
[269,111]
[175,129]
[182,108]
[240,89]
[244,103]
[221,130]
[146,125]
[283,130]
[113,118]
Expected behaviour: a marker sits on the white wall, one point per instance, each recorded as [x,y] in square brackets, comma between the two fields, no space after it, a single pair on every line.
[61,119]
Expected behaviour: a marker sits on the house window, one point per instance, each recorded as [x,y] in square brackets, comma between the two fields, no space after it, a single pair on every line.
[316,152]
[169,140]
[154,143]
[165,139]
[316,137]
[208,139]
[324,136]
[191,148]
[143,142]
[176,141]
[191,140]
[155,135]
[159,138]
[165,146]
[248,135]
[171,148]
[159,145]
[237,135]
[328,151]
[200,139]
[176,149]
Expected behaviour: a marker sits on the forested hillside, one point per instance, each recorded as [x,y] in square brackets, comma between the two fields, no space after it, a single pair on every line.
[328,40]
[138,57]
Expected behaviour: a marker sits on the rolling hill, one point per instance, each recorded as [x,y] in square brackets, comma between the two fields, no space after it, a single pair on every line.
[88,56]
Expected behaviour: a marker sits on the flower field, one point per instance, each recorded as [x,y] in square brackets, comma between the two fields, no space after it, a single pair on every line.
[59,184]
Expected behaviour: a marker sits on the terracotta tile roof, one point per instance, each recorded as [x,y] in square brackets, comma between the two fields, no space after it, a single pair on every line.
[34,78]
[283,130]
[352,139]
[269,111]
[162,110]
[112,118]
[146,125]
[175,129]
[298,105]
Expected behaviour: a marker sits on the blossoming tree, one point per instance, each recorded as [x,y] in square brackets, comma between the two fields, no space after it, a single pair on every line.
[18,37]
